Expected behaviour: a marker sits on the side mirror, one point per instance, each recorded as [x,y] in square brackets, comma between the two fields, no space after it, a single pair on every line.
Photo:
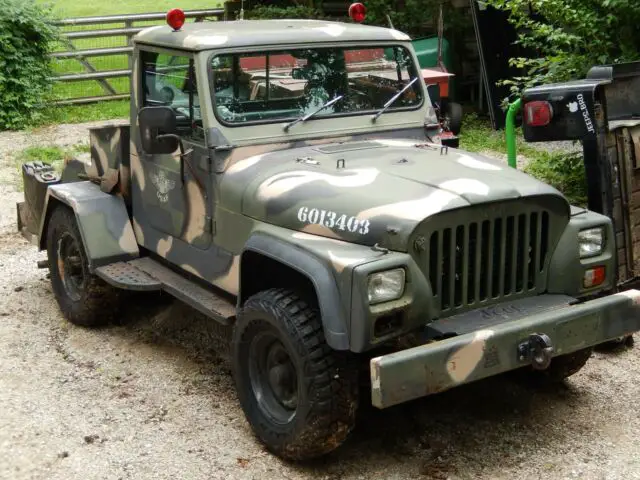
[297,74]
[158,130]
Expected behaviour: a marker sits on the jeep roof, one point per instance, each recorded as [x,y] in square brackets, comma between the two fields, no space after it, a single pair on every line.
[248,33]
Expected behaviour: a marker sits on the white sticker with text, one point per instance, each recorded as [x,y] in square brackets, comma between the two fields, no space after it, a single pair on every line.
[333,220]
[584,110]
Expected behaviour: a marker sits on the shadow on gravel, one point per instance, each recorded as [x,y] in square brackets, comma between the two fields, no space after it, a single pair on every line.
[501,420]
[159,319]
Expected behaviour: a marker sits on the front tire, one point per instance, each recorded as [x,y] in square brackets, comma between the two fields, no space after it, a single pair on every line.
[299,396]
[616,344]
[562,367]
[84,298]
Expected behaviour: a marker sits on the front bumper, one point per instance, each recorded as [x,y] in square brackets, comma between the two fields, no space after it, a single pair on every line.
[498,348]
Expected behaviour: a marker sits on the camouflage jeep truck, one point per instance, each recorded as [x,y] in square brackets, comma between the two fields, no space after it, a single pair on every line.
[286,179]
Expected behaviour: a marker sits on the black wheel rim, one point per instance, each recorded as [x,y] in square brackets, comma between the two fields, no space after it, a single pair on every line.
[273,377]
[70,266]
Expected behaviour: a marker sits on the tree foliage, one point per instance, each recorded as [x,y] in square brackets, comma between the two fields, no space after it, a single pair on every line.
[417,18]
[25,39]
[267,12]
[567,37]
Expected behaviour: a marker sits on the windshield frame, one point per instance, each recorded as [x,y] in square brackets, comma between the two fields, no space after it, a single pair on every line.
[267,49]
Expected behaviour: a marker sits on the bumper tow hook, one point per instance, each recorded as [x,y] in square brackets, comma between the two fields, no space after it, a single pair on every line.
[537,350]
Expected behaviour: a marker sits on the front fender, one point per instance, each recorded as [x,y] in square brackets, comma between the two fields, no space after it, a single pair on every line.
[334,317]
[103,221]
[566,269]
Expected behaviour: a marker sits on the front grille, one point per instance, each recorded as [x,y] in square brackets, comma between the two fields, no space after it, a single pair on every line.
[481,262]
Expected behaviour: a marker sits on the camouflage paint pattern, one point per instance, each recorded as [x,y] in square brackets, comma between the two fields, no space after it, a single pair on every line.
[350,194]
[102,219]
[439,366]
[381,183]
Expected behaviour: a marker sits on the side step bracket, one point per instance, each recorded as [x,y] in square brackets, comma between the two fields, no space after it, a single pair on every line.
[147,274]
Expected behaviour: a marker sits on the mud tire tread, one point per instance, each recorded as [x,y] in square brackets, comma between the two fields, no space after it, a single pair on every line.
[330,378]
[100,302]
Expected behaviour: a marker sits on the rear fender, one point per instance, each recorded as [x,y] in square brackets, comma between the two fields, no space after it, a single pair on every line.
[102,218]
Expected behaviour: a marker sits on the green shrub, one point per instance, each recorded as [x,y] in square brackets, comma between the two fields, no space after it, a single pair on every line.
[565,172]
[25,39]
[567,37]
[417,17]
[267,12]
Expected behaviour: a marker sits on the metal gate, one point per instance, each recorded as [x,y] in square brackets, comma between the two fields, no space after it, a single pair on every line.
[93,59]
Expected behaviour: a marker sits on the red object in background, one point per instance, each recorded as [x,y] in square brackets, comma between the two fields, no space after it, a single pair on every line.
[538,113]
[357,12]
[258,62]
[433,76]
[175,18]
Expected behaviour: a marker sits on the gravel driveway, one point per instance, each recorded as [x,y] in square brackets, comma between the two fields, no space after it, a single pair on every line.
[151,399]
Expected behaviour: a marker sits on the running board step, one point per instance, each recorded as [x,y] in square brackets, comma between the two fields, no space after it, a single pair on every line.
[126,276]
[148,274]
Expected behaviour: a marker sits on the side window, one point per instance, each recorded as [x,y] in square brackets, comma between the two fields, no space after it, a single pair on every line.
[169,80]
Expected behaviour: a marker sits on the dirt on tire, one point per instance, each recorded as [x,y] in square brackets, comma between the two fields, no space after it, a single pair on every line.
[152,399]
[327,382]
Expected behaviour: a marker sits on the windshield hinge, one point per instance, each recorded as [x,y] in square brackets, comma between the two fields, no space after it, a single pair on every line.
[209,225]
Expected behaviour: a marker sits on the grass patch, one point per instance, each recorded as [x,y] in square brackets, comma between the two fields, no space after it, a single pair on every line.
[563,171]
[74,8]
[51,154]
[477,136]
[109,110]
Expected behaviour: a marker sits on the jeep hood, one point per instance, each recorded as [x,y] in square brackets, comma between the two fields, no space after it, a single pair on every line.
[371,192]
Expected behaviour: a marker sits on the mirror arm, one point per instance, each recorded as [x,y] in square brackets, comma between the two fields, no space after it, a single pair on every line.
[172,135]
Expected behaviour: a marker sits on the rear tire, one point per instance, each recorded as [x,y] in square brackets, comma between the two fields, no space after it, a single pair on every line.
[453,115]
[299,396]
[84,298]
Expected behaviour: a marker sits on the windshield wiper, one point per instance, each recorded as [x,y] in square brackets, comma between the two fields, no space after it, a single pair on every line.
[308,116]
[393,99]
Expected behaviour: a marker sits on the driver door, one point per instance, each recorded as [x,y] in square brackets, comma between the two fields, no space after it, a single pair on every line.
[178,200]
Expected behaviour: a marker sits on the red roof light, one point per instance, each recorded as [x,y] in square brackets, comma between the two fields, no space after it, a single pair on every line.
[538,113]
[175,18]
[357,12]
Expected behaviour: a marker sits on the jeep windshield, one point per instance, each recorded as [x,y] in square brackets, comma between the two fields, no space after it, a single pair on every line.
[285,85]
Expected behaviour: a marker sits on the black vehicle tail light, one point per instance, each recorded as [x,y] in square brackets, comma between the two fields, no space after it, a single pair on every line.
[538,113]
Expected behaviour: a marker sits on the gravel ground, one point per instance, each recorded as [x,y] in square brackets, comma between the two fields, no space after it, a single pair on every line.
[151,398]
